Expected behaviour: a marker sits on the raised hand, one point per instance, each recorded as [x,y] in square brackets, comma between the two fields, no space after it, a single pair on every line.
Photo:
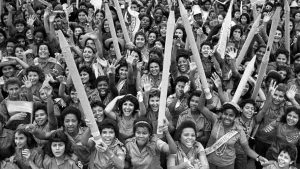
[272,87]
[18,116]
[147,84]
[27,82]
[130,59]
[112,67]
[216,79]
[267,17]
[31,19]
[291,93]
[52,17]
[232,52]
[101,146]
[62,79]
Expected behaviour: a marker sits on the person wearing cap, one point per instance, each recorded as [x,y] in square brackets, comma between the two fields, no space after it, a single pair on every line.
[271,113]
[226,132]
[190,153]
[143,150]
[108,152]
[129,109]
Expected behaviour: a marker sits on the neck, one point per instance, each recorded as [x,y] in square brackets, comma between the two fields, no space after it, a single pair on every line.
[185,148]
[127,117]
[60,160]
[74,134]
[245,119]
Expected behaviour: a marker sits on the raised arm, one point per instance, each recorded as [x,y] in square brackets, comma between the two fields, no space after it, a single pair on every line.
[205,111]
[110,107]
[50,110]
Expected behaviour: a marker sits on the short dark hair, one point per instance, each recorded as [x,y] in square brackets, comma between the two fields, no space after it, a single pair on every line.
[143,122]
[196,93]
[97,103]
[182,126]
[58,136]
[38,70]
[292,151]
[111,124]
[183,79]
[12,81]
[71,110]
[287,111]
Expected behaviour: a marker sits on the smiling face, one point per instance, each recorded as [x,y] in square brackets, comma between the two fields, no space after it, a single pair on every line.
[154,103]
[40,117]
[123,71]
[43,52]
[71,123]
[228,117]
[82,17]
[108,135]
[33,77]
[205,50]
[183,65]
[278,36]
[145,22]
[102,87]
[292,118]
[278,97]
[140,41]
[8,71]
[142,135]
[88,55]
[188,137]
[179,89]
[154,68]
[179,33]
[281,59]
[194,102]
[20,140]
[58,149]
[85,77]
[127,108]
[151,38]
[248,110]
[284,160]
[98,112]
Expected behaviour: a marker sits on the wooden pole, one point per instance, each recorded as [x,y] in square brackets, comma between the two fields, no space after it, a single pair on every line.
[122,22]
[247,73]
[195,50]
[112,31]
[287,29]
[250,36]
[78,85]
[166,70]
[265,60]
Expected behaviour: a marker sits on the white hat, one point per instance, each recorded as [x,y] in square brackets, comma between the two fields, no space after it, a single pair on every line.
[196,9]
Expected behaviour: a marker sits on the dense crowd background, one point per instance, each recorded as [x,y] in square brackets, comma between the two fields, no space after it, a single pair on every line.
[44,125]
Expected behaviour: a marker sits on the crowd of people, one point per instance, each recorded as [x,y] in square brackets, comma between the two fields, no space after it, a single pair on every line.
[44,125]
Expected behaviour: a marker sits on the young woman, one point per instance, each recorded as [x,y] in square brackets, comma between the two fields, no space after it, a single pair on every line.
[272,111]
[154,75]
[143,150]
[88,80]
[110,152]
[37,77]
[27,156]
[287,132]
[203,126]
[130,108]
[58,152]
[221,153]
[190,153]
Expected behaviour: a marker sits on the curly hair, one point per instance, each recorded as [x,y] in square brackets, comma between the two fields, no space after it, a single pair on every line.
[38,70]
[130,98]
[31,143]
[289,110]
[182,126]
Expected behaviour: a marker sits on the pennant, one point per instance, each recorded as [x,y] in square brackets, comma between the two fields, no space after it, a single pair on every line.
[19,106]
